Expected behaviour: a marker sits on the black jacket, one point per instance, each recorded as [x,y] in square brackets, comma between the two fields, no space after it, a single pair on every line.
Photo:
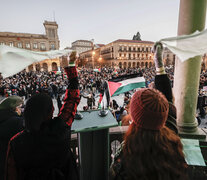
[10,124]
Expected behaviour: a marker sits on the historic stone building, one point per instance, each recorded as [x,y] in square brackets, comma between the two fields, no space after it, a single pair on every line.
[36,42]
[169,57]
[122,53]
[81,46]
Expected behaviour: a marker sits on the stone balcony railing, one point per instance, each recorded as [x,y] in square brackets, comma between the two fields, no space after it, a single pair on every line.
[116,137]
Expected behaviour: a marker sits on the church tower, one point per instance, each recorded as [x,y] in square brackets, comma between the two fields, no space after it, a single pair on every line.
[51,28]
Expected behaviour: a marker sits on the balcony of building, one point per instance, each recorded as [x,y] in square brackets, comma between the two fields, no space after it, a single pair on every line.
[116,135]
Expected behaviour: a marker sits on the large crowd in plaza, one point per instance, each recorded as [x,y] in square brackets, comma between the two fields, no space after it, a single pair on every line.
[25,84]
[151,148]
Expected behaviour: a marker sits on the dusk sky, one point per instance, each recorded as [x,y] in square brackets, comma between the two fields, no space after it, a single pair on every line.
[104,21]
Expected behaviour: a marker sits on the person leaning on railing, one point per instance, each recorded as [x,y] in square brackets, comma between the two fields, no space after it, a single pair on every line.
[150,149]
[42,150]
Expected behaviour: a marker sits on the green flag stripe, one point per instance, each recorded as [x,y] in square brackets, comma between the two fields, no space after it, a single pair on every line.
[128,87]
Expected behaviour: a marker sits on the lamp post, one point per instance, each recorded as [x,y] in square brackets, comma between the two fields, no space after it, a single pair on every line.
[93,53]
[100,60]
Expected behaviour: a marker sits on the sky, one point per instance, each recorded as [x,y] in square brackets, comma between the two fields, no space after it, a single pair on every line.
[102,20]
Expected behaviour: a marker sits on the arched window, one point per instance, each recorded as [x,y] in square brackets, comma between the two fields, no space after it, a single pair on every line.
[45,67]
[142,64]
[129,64]
[125,64]
[133,64]
[138,64]
[146,64]
[120,64]
[54,66]
[150,64]
[37,67]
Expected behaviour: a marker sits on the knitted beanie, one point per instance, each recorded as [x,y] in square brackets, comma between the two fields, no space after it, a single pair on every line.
[11,102]
[149,109]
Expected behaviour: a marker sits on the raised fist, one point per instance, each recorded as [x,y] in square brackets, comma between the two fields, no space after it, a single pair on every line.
[158,53]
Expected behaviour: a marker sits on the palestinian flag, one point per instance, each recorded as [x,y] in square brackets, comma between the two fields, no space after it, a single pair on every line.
[57,72]
[115,72]
[125,83]
[97,70]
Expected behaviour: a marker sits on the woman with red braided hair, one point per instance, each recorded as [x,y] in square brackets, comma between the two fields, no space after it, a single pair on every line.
[150,150]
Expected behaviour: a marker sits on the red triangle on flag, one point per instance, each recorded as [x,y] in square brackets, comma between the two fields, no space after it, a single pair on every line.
[113,86]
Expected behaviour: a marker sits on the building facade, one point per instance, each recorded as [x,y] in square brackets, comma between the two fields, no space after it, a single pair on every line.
[81,46]
[122,53]
[36,42]
[169,57]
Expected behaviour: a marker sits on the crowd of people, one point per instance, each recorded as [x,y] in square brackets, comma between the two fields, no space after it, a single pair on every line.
[92,84]
[151,148]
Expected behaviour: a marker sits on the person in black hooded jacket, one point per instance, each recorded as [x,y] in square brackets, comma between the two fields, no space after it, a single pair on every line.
[10,124]
[42,150]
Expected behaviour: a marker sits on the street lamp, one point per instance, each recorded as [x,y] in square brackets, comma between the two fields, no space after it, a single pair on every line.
[93,53]
[100,59]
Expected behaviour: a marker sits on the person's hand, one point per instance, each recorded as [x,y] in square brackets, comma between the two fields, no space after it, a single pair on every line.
[158,53]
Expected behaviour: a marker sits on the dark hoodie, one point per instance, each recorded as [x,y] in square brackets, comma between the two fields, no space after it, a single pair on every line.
[10,124]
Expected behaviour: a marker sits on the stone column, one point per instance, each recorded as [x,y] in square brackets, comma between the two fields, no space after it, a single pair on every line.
[27,69]
[49,66]
[34,67]
[192,17]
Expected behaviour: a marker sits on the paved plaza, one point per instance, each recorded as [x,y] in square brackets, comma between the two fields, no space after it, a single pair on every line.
[120,101]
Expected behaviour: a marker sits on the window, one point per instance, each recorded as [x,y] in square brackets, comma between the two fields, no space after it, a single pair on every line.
[11,44]
[35,46]
[51,33]
[28,45]
[19,45]
[42,46]
[2,43]
[52,47]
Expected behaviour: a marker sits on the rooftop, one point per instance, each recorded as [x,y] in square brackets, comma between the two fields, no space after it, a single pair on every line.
[133,41]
